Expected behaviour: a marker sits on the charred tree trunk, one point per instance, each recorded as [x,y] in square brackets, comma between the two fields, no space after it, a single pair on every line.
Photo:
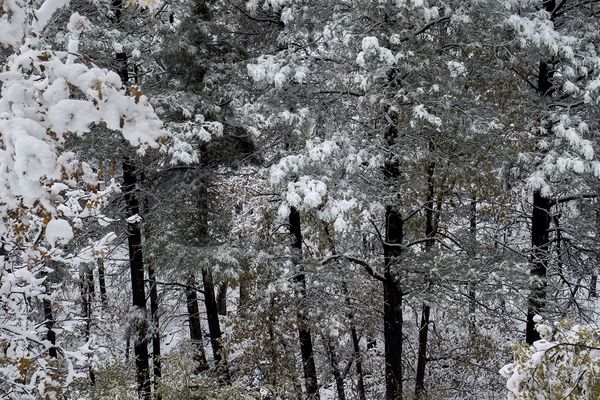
[195,326]
[304,332]
[214,327]
[136,262]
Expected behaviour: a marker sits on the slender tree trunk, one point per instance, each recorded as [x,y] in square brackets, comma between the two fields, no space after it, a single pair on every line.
[138,290]
[360,384]
[50,333]
[156,360]
[430,232]
[87,297]
[392,305]
[244,298]
[335,369]
[214,327]
[222,299]
[540,224]
[195,326]
[102,282]
[422,352]
[594,280]
[472,255]
[304,332]
[392,293]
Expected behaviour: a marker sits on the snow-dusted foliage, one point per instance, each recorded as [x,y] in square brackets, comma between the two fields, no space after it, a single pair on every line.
[47,97]
[565,363]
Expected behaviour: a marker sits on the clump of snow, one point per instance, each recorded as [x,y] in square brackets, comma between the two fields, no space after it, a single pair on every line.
[58,231]
[78,23]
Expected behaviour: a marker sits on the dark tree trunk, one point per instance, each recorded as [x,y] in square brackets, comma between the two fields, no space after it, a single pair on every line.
[594,280]
[392,305]
[244,298]
[214,327]
[422,352]
[540,224]
[472,255]
[360,383]
[50,334]
[102,282]
[304,332]
[392,293]
[156,361]
[134,241]
[222,299]
[136,261]
[87,297]
[431,218]
[195,326]
[335,369]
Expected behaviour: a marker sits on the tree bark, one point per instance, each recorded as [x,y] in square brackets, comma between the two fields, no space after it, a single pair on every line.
[195,326]
[214,327]
[102,282]
[156,360]
[138,291]
[392,293]
[360,383]
[222,299]
[304,332]
[392,305]
[472,255]
[540,223]
[87,297]
[430,232]
[335,369]
[594,279]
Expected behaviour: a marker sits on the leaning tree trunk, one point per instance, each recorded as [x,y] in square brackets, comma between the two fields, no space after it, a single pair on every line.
[304,332]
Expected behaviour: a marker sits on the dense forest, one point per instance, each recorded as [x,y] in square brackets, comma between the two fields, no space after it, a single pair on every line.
[299,199]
